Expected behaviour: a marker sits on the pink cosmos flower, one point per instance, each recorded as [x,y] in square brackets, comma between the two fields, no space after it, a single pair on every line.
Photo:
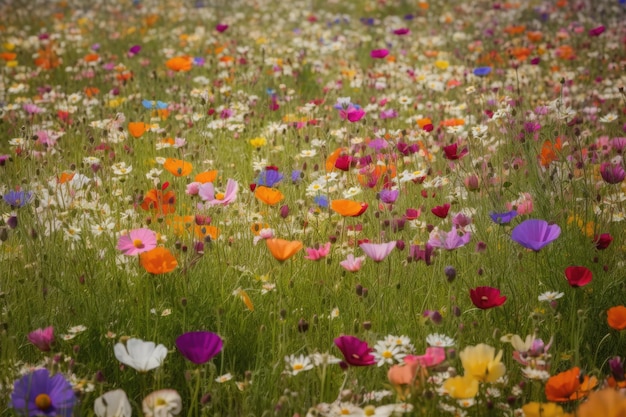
[352,114]
[315,254]
[207,193]
[137,241]
[351,263]
[448,240]
[378,251]
[265,233]
[193,188]
[355,351]
[42,338]
[379,53]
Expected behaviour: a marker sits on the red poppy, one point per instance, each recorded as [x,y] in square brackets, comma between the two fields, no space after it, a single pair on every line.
[441,211]
[486,297]
[160,202]
[603,241]
[452,153]
[578,276]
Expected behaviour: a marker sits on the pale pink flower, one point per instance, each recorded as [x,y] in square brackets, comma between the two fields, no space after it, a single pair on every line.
[351,263]
[193,188]
[378,251]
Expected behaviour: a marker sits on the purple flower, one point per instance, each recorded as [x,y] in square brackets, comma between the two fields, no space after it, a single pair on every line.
[448,240]
[503,218]
[612,173]
[355,351]
[597,31]
[17,198]
[42,338]
[417,254]
[482,71]
[402,31]
[199,347]
[39,394]
[134,50]
[378,144]
[388,196]
[535,234]
[379,53]
[221,27]
[269,178]
[378,251]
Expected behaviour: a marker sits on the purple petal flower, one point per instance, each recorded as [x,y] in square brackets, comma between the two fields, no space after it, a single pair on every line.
[199,347]
[535,234]
[355,351]
[503,218]
[448,240]
[388,196]
[39,394]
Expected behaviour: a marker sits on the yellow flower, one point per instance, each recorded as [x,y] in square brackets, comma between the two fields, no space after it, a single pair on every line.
[535,409]
[257,143]
[482,363]
[441,64]
[461,387]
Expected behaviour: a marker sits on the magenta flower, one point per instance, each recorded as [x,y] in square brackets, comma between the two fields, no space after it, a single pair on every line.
[353,114]
[199,347]
[42,338]
[315,254]
[486,297]
[355,351]
[402,31]
[597,31]
[612,173]
[535,234]
[378,251]
[379,53]
[448,240]
[137,241]
[221,27]
[351,263]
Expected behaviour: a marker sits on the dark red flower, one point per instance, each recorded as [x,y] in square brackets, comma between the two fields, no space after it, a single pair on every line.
[578,276]
[452,153]
[441,211]
[486,297]
[603,241]
[344,162]
[355,351]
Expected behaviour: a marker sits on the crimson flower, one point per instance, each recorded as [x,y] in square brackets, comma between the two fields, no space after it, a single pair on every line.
[603,241]
[355,351]
[441,211]
[452,153]
[578,276]
[487,297]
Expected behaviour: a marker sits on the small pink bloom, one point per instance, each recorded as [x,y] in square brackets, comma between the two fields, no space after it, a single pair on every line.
[315,254]
[597,31]
[221,27]
[137,241]
[379,53]
[351,263]
[42,338]
[193,188]
[378,251]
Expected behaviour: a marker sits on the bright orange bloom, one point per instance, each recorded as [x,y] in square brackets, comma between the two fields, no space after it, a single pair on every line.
[47,58]
[568,386]
[548,152]
[423,122]
[452,122]
[606,402]
[431,54]
[137,129]
[515,30]
[158,261]
[185,225]
[178,167]
[348,208]
[159,202]
[206,176]
[256,228]
[8,56]
[91,57]
[283,249]
[565,52]
[332,158]
[520,53]
[245,298]
[616,317]
[534,36]
[91,91]
[268,195]
[179,63]
[66,177]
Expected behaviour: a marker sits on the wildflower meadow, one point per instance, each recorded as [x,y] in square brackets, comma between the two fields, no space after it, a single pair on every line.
[313,208]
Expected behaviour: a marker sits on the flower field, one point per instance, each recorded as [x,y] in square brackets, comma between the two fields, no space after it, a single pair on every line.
[313,208]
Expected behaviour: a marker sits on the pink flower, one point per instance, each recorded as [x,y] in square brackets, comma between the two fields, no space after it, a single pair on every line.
[42,338]
[448,240]
[379,53]
[353,114]
[221,27]
[378,251]
[523,205]
[315,254]
[351,263]
[137,241]
[406,373]
[355,351]
[265,233]
[433,356]
[193,188]
[207,193]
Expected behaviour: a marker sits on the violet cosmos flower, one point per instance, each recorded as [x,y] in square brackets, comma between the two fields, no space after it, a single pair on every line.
[355,351]
[199,347]
[612,173]
[482,71]
[17,198]
[503,218]
[378,251]
[448,240]
[352,113]
[42,338]
[535,234]
[39,394]
[379,53]
[134,50]
[352,263]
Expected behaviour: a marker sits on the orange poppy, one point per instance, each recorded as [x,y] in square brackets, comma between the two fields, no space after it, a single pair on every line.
[348,208]
[423,122]
[124,76]
[162,114]
[8,56]
[534,36]
[91,57]
[137,129]
[268,195]
[159,202]
[66,177]
[565,52]
[569,385]
[47,58]
[332,158]
[158,261]
[606,402]
[178,167]
[548,152]
[616,317]
[515,30]
[282,249]
[91,91]
[184,225]
[520,53]
[244,297]
[206,176]
[452,122]
[179,63]
[151,19]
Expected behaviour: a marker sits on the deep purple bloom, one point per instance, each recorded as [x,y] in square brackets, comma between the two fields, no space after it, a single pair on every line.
[17,198]
[389,196]
[199,347]
[612,173]
[407,149]
[535,234]
[134,50]
[355,351]
[617,368]
[269,177]
[482,71]
[39,394]
[503,218]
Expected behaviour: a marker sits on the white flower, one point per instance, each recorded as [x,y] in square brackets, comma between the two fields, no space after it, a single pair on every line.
[535,374]
[224,378]
[439,340]
[323,359]
[113,404]
[384,353]
[611,117]
[297,364]
[140,355]
[162,403]
[550,296]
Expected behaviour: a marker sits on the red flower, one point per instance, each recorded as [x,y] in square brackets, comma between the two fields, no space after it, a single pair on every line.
[441,211]
[578,276]
[486,297]
[355,351]
[603,241]
[451,152]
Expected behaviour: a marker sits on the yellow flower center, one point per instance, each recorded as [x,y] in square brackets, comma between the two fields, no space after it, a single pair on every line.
[297,367]
[219,196]
[345,412]
[387,354]
[43,402]
[138,243]
[160,402]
